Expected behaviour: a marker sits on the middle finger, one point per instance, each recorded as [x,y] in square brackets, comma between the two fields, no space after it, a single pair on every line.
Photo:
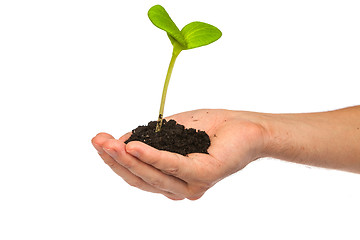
[147,173]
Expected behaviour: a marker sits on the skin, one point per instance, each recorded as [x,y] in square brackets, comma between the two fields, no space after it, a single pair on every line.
[324,139]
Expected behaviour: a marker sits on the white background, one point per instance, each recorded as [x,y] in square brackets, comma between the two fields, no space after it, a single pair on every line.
[70,69]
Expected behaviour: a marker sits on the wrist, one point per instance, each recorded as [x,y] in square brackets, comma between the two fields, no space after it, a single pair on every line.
[267,124]
[272,135]
[259,127]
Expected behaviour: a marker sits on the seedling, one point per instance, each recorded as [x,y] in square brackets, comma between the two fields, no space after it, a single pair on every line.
[193,35]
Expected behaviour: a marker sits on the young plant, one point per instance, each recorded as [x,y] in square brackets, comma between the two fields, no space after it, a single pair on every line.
[193,35]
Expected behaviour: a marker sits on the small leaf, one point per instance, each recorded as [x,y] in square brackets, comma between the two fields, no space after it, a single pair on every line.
[161,19]
[199,34]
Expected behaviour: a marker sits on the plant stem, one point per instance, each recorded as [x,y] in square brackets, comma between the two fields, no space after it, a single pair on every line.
[175,53]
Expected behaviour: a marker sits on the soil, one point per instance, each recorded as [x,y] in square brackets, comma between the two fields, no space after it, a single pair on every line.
[172,137]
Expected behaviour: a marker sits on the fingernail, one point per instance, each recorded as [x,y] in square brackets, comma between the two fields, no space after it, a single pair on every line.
[97,148]
[109,151]
[134,153]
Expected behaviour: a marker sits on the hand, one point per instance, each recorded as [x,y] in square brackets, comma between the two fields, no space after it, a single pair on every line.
[237,138]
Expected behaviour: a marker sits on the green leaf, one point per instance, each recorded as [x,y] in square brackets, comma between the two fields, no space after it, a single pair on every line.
[161,19]
[199,34]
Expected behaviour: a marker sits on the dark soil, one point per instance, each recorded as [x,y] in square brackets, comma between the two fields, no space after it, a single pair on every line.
[172,137]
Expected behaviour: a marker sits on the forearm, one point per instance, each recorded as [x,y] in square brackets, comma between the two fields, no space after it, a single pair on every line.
[325,139]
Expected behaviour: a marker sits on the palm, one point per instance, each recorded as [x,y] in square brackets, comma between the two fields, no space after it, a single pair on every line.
[233,142]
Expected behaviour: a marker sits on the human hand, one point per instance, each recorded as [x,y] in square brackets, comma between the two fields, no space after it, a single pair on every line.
[237,138]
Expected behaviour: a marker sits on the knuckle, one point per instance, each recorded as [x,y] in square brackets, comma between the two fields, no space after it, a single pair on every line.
[194,198]
[156,183]
[196,192]
[110,162]
[128,164]
[137,183]
[195,195]
[172,171]
[174,198]
[153,162]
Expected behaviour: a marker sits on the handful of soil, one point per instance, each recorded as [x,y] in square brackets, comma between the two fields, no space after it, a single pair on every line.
[172,137]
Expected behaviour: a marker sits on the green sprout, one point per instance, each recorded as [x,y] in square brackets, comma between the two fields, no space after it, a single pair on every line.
[193,35]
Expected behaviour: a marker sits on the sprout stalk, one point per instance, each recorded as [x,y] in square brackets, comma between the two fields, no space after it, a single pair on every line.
[176,51]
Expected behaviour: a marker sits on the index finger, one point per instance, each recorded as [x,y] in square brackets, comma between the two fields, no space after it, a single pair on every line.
[170,163]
